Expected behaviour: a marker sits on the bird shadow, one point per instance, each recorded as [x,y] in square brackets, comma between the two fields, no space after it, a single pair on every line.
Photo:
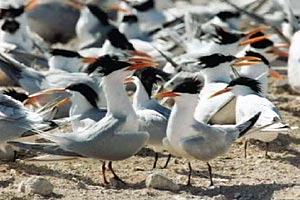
[282,145]
[32,169]
[244,191]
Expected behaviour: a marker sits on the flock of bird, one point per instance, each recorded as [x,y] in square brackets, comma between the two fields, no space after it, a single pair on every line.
[199,87]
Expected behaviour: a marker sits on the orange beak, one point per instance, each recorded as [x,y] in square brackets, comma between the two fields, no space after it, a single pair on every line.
[35,98]
[241,61]
[165,94]
[32,5]
[276,50]
[220,92]
[253,40]
[141,65]
[89,60]
[257,30]
[141,59]
[129,81]
[62,102]
[276,75]
[117,8]
[75,4]
[139,53]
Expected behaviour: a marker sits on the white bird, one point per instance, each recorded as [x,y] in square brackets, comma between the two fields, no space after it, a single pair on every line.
[115,137]
[150,17]
[248,102]
[15,32]
[194,140]
[216,69]
[294,63]
[17,121]
[92,26]
[152,116]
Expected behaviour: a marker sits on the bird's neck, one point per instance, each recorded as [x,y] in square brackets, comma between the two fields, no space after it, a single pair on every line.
[217,74]
[117,100]
[80,104]
[182,117]
[141,97]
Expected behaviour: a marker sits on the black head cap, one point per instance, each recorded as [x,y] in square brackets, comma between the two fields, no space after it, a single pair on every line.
[20,96]
[119,40]
[224,15]
[144,6]
[190,85]
[255,54]
[65,53]
[225,37]
[150,76]
[245,81]
[11,12]
[106,65]
[130,19]
[10,26]
[99,13]
[85,90]
[214,60]
[261,44]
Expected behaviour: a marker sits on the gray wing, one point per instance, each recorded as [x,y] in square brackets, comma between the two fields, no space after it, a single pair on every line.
[48,148]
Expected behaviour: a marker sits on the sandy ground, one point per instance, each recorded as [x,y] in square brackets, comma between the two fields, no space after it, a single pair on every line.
[235,177]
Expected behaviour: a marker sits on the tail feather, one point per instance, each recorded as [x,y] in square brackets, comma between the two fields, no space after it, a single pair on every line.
[48,148]
[246,126]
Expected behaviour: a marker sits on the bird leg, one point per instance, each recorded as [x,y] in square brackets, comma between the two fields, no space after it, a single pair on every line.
[210,174]
[190,174]
[167,162]
[267,150]
[15,156]
[155,160]
[113,172]
[103,173]
[245,149]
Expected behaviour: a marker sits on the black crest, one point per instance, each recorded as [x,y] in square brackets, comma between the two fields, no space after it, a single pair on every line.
[261,44]
[10,26]
[130,19]
[20,96]
[224,15]
[190,85]
[99,13]
[225,37]
[11,12]
[144,6]
[150,76]
[65,53]
[245,81]
[106,65]
[252,53]
[119,40]
[214,60]
[88,92]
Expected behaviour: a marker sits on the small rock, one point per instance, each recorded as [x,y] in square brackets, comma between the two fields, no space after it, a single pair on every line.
[219,197]
[161,182]
[36,185]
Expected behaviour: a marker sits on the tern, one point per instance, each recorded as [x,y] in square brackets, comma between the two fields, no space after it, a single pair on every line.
[216,69]
[116,136]
[191,139]
[294,63]
[248,102]
[152,116]
[17,121]
[15,32]
[92,26]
